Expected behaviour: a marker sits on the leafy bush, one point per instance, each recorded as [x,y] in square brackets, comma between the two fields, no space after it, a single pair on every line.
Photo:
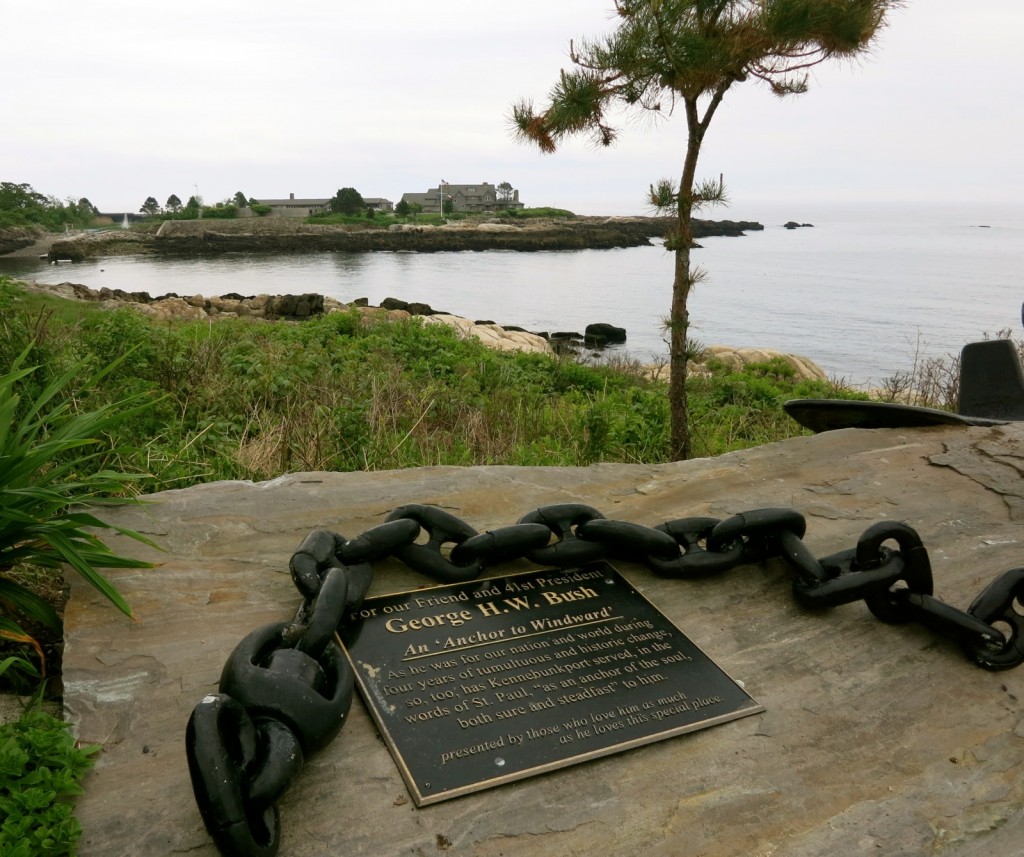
[40,768]
[221,212]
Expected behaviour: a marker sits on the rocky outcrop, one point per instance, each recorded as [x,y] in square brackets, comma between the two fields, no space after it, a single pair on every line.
[14,240]
[280,235]
[277,235]
[175,307]
[600,334]
[736,358]
[875,740]
[595,336]
[804,369]
[494,335]
[658,227]
[729,228]
[88,245]
[487,332]
[411,307]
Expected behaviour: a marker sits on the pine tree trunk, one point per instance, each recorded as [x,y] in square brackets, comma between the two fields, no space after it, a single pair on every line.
[679,412]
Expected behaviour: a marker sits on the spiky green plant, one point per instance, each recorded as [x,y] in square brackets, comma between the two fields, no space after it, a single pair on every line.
[51,469]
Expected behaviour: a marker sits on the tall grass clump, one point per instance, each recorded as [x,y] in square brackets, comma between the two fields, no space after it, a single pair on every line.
[246,400]
[735,409]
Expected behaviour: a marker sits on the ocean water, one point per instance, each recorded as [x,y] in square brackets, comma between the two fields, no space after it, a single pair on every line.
[865,290]
[861,292]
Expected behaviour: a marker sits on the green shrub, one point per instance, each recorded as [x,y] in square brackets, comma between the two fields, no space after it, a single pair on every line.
[541,212]
[40,768]
[221,212]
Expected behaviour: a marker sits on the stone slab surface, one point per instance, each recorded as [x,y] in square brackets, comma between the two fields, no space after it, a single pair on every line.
[876,739]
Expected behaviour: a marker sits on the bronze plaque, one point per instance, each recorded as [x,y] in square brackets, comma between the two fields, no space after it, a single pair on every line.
[473,685]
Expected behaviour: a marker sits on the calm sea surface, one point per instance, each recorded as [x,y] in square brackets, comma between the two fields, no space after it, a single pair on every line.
[859,293]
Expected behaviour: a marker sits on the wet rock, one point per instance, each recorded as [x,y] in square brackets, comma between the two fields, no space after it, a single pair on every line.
[601,333]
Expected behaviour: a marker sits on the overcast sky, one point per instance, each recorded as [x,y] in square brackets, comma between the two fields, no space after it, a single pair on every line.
[118,101]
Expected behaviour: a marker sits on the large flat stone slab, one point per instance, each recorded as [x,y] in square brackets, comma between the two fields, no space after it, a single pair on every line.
[876,739]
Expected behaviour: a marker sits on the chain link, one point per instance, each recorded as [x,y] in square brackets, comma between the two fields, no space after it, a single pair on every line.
[1002,601]
[286,689]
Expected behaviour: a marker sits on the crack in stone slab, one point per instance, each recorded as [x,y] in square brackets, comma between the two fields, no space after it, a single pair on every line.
[991,466]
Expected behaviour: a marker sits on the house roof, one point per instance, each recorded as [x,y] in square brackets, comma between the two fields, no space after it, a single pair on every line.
[483,187]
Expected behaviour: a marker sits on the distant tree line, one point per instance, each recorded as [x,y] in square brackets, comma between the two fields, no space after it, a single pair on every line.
[194,208]
[21,205]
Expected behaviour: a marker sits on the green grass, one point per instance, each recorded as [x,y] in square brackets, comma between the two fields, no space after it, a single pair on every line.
[44,313]
[731,410]
[533,213]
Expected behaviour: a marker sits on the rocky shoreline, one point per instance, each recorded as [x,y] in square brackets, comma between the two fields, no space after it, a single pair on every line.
[280,235]
[295,308]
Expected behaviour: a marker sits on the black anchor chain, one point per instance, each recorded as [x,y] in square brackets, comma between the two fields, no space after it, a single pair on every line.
[286,689]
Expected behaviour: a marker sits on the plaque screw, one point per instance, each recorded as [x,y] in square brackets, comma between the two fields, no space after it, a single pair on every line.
[499,761]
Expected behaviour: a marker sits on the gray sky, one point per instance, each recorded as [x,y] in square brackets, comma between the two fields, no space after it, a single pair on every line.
[118,101]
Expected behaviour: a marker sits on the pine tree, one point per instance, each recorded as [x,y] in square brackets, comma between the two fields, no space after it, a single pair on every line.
[669,54]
